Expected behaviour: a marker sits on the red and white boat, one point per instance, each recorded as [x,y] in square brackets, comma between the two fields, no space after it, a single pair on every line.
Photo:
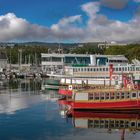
[107,99]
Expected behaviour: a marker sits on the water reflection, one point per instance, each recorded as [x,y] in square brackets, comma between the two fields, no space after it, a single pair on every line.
[29,113]
[107,122]
[101,122]
[18,94]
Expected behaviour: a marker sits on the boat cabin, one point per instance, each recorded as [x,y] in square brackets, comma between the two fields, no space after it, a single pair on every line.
[107,96]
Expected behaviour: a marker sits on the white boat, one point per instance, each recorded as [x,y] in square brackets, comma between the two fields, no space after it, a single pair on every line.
[95,69]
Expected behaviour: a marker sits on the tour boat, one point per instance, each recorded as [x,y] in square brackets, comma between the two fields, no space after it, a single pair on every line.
[107,99]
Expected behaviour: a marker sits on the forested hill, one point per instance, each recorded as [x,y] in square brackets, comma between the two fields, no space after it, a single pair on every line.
[131,51]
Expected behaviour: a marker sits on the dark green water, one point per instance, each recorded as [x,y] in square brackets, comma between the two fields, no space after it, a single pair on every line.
[28,113]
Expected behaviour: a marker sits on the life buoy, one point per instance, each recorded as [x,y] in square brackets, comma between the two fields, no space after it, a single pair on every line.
[115,77]
[70,87]
[135,86]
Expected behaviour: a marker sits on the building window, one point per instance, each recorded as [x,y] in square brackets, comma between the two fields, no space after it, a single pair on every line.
[125,68]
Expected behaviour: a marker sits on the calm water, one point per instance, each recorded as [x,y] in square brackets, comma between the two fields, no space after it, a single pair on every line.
[28,113]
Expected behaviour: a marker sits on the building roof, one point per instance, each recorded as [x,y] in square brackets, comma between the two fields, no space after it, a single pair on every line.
[112,57]
[117,58]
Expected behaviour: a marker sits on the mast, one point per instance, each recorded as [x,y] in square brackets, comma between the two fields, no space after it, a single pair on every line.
[20,59]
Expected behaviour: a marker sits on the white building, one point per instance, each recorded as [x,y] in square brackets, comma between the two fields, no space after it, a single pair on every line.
[53,62]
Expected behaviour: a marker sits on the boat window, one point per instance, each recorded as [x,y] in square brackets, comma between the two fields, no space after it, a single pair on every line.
[133,95]
[100,69]
[127,95]
[106,69]
[90,96]
[81,69]
[96,95]
[107,96]
[120,69]
[139,95]
[112,96]
[116,69]
[118,95]
[122,95]
[103,69]
[102,96]
[125,68]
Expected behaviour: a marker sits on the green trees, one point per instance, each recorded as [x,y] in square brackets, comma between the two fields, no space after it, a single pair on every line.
[131,51]
[88,48]
[30,54]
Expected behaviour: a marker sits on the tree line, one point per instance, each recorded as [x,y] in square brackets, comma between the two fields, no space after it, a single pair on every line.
[32,53]
[131,51]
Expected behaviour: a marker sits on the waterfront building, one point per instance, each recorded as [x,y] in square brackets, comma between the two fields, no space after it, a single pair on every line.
[53,62]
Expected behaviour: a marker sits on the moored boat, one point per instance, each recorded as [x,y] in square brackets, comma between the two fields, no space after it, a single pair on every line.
[107,99]
[51,84]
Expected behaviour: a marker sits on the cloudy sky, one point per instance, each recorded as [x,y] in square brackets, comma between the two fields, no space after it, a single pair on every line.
[70,20]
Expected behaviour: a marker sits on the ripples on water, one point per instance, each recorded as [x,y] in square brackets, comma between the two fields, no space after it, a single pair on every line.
[29,113]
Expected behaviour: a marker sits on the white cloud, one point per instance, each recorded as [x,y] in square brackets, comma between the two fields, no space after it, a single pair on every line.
[100,28]
[14,28]
[136,0]
[67,28]
[97,28]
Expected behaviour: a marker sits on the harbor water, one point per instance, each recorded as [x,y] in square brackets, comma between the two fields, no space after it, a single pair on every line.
[29,113]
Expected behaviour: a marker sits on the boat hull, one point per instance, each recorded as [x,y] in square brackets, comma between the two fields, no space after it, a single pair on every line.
[51,87]
[119,105]
[54,82]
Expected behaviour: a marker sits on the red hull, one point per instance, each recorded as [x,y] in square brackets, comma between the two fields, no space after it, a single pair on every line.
[65,92]
[87,114]
[64,102]
[119,105]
